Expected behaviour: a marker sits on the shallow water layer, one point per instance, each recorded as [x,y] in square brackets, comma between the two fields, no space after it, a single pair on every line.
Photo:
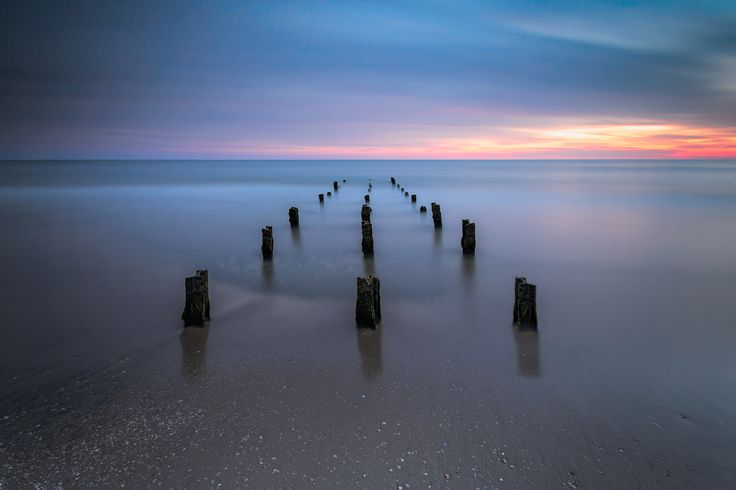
[630,381]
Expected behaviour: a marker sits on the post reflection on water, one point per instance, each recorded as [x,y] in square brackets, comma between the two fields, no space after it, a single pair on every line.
[193,347]
[468,270]
[369,346]
[267,274]
[527,351]
[296,236]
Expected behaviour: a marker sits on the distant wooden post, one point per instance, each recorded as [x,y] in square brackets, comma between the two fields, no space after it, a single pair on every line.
[365,213]
[525,304]
[267,242]
[413,198]
[467,242]
[294,217]
[321,198]
[436,215]
[367,242]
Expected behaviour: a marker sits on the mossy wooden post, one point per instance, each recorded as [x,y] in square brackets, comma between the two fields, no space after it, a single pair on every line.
[436,215]
[467,242]
[195,307]
[368,302]
[525,304]
[267,242]
[365,213]
[321,198]
[294,217]
[367,243]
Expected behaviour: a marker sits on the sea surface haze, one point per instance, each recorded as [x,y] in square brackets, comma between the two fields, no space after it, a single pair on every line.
[629,382]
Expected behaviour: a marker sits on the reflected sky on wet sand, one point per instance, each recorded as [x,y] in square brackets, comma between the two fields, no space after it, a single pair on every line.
[629,379]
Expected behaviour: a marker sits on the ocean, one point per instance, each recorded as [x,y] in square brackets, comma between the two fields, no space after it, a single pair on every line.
[628,382]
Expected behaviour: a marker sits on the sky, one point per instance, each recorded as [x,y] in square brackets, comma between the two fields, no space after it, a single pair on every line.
[510,79]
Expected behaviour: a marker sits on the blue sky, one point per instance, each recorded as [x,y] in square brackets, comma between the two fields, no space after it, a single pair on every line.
[346,79]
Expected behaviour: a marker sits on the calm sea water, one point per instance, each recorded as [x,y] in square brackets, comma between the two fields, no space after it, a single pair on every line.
[630,381]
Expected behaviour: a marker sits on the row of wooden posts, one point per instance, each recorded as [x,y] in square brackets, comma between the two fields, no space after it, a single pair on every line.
[368,301]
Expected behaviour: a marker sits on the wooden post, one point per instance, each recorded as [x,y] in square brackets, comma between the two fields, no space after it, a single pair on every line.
[368,302]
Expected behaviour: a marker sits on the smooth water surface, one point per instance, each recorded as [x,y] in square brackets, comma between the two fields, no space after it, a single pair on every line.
[630,381]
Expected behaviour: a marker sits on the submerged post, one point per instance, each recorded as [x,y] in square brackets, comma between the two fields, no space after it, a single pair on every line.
[467,242]
[525,304]
[368,302]
[267,242]
[367,242]
[365,213]
[294,217]
[197,302]
[321,198]
[413,198]
[436,215]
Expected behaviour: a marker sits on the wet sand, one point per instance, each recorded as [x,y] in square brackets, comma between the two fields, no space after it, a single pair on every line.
[628,383]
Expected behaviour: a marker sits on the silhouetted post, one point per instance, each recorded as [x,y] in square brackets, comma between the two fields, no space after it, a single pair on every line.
[413,198]
[367,243]
[368,302]
[206,277]
[436,215]
[195,307]
[294,217]
[321,198]
[365,213]
[367,198]
[525,304]
[422,209]
[267,242]
[468,239]
[329,193]
[402,189]
[393,181]
[334,185]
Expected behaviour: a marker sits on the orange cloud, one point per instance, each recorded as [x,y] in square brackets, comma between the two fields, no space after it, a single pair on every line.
[535,138]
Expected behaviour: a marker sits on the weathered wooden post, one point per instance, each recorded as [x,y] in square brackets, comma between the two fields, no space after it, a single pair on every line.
[267,242]
[413,198]
[467,242]
[365,213]
[436,215]
[422,209]
[525,304]
[294,217]
[367,198]
[334,185]
[204,274]
[367,243]
[321,198]
[197,302]
[368,302]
